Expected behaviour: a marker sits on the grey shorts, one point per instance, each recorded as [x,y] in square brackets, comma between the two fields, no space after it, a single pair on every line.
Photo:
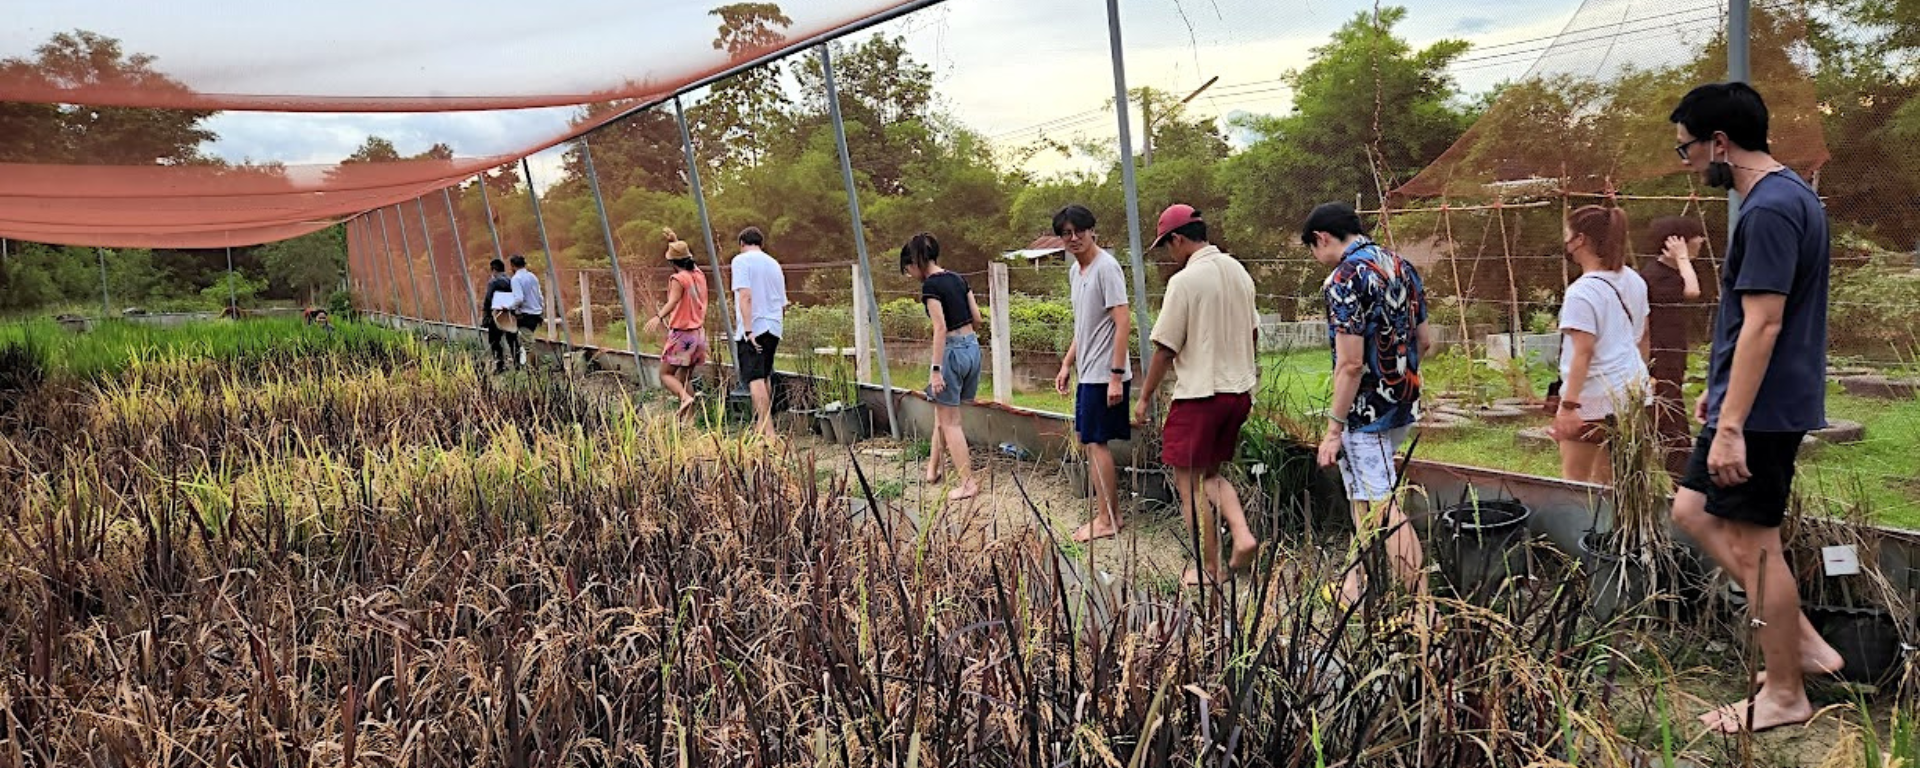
[960,369]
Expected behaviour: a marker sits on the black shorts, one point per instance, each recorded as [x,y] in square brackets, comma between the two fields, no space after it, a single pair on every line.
[1762,499]
[756,365]
[529,322]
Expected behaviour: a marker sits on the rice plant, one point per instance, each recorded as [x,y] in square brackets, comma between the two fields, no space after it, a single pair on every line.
[331,552]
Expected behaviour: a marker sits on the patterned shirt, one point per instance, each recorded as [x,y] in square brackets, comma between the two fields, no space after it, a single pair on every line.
[1376,295]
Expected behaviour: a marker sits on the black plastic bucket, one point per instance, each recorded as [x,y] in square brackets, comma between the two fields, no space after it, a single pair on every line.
[1482,539]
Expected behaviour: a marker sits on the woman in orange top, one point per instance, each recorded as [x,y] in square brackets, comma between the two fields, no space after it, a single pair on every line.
[685,316]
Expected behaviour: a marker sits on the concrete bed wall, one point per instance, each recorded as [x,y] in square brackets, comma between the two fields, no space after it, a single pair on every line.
[1561,511]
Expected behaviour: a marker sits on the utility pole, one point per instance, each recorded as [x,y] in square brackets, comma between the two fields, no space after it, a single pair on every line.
[1146,116]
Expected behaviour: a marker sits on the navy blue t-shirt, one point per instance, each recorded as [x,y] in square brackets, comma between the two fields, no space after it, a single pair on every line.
[1780,246]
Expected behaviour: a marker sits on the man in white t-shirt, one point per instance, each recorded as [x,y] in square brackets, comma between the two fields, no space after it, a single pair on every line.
[760,289]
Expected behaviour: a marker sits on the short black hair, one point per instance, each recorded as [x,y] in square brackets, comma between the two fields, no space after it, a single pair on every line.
[752,236]
[497,266]
[1336,219]
[921,249]
[1195,230]
[518,261]
[1734,109]
[1077,215]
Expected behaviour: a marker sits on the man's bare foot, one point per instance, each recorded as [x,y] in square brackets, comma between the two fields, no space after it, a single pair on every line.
[968,489]
[1102,527]
[1815,662]
[1192,578]
[1767,713]
[1243,555]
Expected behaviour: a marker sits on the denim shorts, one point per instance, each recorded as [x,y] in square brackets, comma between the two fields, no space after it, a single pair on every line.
[960,369]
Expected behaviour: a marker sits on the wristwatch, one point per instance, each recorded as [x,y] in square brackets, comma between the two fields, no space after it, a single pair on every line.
[936,366]
[1117,371]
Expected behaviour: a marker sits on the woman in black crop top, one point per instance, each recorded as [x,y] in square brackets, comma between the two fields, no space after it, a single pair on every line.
[955,375]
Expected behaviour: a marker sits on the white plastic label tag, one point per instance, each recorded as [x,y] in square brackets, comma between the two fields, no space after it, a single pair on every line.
[1841,560]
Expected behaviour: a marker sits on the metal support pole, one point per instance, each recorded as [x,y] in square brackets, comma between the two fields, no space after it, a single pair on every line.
[1140,318]
[233,295]
[413,281]
[613,256]
[859,239]
[492,231]
[706,224]
[386,249]
[466,275]
[1739,70]
[106,302]
[553,272]
[433,268]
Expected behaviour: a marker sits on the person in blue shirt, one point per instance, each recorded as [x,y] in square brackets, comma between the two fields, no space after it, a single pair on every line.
[530,311]
[1766,388]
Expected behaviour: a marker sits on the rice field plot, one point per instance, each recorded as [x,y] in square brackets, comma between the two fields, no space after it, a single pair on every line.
[354,549]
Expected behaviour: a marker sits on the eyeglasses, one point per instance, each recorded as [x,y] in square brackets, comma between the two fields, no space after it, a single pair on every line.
[1681,150]
[1071,234]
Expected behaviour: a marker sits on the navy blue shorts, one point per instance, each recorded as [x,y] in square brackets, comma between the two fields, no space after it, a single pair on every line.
[1098,423]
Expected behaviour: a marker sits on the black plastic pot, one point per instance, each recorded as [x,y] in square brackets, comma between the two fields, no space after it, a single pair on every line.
[1482,539]
[1866,638]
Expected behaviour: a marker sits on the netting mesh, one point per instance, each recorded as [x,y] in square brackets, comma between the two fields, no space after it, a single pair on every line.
[127,168]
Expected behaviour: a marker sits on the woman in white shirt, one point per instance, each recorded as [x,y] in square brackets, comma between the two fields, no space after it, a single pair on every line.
[1603,343]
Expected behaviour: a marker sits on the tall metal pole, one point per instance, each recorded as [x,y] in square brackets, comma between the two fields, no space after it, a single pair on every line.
[106,302]
[1140,318]
[386,249]
[859,237]
[233,295]
[553,272]
[466,275]
[433,268]
[492,231]
[613,255]
[406,248]
[1739,70]
[706,224]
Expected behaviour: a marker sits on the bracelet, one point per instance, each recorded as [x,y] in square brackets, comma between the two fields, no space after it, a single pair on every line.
[1117,371]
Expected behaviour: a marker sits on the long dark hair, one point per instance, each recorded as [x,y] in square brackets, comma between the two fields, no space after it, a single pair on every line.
[920,251]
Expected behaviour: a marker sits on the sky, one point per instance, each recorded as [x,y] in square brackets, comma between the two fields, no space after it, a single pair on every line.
[1013,70]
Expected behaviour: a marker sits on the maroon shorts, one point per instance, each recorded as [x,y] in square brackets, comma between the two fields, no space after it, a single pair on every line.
[1203,433]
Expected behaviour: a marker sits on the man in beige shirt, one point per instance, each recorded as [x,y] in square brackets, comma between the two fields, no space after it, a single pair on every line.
[1207,334]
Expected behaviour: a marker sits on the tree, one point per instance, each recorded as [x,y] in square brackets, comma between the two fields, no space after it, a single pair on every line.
[1327,148]
[743,114]
[308,265]
[65,133]
[885,100]
[640,151]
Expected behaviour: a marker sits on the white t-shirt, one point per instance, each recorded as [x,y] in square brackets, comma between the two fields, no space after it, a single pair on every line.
[1617,366]
[758,273]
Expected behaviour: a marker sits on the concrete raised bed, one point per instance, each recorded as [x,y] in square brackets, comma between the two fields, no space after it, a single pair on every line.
[1881,387]
[1534,437]
[1488,413]
[1841,431]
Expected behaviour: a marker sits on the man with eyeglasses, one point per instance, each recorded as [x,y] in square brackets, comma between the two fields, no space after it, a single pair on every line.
[1097,360]
[1766,388]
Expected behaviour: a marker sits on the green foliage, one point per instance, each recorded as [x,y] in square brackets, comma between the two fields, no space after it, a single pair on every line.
[906,319]
[340,303]
[1875,308]
[812,327]
[1040,325]
[233,288]
[307,265]
[97,135]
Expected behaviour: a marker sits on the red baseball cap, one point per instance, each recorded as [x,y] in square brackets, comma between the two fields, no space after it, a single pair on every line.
[1174,217]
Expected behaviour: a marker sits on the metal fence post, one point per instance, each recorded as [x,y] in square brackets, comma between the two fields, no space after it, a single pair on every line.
[492,230]
[406,249]
[859,238]
[466,275]
[1739,70]
[233,296]
[553,270]
[106,301]
[1141,321]
[706,224]
[386,244]
[613,255]
[433,267]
